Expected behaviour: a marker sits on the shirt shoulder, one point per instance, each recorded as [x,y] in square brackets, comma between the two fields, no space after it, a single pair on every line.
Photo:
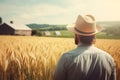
[105,56]
[104,53]
[86,51]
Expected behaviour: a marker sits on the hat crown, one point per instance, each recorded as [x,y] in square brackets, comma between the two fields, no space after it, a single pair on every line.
[85,23]
[89,18]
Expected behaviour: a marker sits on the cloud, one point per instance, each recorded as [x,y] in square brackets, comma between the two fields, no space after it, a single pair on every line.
[30,12]
[102,9]
[58,14]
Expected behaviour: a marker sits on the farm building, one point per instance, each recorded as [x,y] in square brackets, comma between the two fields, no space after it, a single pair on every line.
[47,33]
[57,33]
[14,29]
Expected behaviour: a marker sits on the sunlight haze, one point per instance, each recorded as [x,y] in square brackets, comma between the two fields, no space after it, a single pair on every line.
[58,11]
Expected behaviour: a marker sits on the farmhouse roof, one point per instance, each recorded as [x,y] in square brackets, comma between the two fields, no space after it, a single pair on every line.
[18,26]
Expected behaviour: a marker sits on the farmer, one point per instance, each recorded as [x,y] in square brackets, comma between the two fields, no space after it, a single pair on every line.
[86,62]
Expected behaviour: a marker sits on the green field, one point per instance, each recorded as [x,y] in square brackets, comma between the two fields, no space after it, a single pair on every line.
[102,35]
[68,34]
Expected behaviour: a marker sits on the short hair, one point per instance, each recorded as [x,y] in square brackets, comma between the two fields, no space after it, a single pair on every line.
[88,40]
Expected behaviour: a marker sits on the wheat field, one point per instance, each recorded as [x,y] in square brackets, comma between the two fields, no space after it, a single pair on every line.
[35,58]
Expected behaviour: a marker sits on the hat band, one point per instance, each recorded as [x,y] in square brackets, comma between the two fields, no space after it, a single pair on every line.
[83,32]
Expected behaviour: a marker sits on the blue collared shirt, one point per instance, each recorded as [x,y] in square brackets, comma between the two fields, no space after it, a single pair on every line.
[85,63]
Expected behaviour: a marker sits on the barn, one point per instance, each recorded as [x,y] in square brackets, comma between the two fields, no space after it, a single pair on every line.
[14,29]
[57,33]
[47,33]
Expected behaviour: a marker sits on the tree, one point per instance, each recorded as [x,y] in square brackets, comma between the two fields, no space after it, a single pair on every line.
[0,20]
[115,31]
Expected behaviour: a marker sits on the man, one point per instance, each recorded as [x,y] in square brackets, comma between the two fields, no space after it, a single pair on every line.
[86,62]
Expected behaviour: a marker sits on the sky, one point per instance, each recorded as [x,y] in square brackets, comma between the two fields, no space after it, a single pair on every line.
[57,11]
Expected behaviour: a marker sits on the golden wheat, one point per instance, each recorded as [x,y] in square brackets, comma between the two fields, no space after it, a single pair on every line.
[35,58]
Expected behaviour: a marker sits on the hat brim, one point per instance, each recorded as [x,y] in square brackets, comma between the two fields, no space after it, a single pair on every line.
[71,27]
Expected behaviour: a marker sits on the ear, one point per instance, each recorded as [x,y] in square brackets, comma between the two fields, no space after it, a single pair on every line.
[76,39]
[77,36]
[94,41]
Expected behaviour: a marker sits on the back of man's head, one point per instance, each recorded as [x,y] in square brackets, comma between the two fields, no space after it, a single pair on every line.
[86,40]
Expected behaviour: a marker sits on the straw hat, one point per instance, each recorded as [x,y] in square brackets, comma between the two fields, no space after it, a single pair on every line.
[84,25]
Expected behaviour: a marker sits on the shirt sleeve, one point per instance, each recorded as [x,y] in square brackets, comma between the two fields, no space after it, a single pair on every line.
[113,75]
[60,71]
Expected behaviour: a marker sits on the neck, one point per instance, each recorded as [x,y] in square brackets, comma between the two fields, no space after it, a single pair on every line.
[79,44]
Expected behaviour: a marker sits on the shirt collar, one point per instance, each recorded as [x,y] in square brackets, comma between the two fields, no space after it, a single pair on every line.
[83,45]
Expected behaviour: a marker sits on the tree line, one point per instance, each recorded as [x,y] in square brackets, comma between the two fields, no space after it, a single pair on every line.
[38,29]
[113,31]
